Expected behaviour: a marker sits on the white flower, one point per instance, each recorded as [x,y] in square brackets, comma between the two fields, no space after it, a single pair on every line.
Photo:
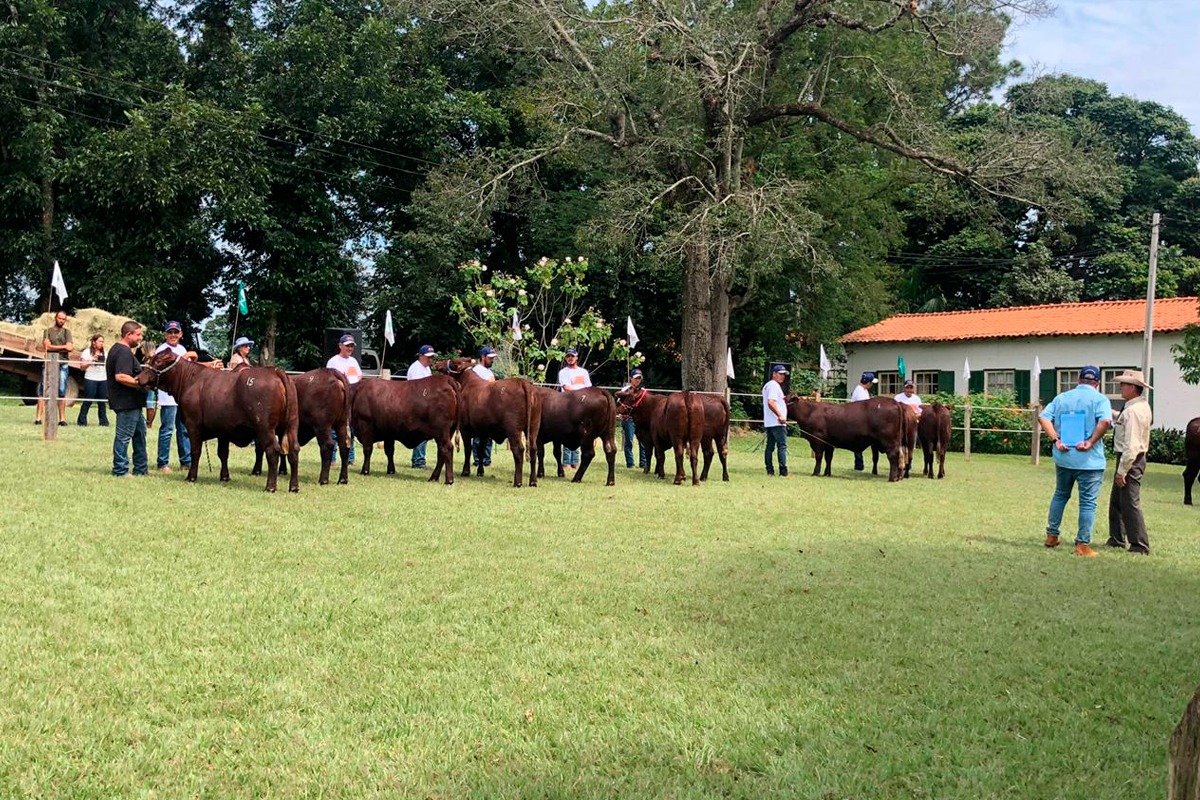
[520,292]
[638,354]
[621,342]
[483,309]
[566,320]
[491,293]
[541,366]
[526,326]
[580,259]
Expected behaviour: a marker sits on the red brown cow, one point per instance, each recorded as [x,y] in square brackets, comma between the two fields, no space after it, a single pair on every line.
[251,406]
[714,432]
[576,419]
[510,408]
[674,421]
[324,397]
[878,422]
[409,411]
[933,434]
[1191,450]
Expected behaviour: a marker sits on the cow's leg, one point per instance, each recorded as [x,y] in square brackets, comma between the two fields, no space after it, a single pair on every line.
[258,457]
[1189,476]
[680,475]
[389,450]
[367,439]
[941,457]
[223,457]
[828,453]
[271,449]
[587,451]
[660,455]
[610,453]
[537,459]
[325,445]
[875,460]
[707,447]
[516,442]
[292,458]
[895,470]
[343,447]
[556,448]
[445,458]
[817,453]
[693,453]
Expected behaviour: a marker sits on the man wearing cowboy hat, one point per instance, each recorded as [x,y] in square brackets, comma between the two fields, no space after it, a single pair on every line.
[1131,441]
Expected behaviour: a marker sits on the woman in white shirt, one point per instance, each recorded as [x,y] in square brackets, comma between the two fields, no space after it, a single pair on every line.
[95,381]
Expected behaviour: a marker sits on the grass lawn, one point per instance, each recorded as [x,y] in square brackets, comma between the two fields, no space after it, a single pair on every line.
[810,638]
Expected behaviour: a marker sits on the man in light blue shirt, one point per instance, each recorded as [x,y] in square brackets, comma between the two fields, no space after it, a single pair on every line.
[1076,422]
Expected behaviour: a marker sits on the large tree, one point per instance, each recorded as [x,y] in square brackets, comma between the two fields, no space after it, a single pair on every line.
[685,104]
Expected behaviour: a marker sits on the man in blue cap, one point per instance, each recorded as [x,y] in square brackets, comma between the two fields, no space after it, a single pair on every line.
[1076,421]
[628,428]
[572,378]
[775,419]
[169,421]
[418,370]
[862,392]
[481,449]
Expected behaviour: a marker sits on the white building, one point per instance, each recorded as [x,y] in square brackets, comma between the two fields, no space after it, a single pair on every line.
[1001,346]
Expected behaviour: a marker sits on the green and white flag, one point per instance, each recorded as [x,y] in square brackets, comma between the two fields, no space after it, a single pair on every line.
[243,306]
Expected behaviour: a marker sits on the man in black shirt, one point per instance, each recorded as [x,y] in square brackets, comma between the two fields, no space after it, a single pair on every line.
[126,399]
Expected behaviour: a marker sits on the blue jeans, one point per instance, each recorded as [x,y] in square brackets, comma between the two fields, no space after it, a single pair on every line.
[1089,481]
[131,426]
[776,440]
[98,391]
[481,449]
[418,455]
[349,454]
[169,421]
[570,457]
[628,435]
[63,372]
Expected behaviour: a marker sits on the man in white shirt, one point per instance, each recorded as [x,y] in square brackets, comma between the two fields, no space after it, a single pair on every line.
[775,419]
[862,392]
[572,378]
[169,421]
[481,449]
[421,368]
[910,397]
[345,363]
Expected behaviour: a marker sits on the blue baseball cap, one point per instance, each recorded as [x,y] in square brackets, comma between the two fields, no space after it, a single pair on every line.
[868,377]
[172,325]
[779,369]
[1089,373]
[426,350]
[487,351]
[637,373]
[346,339]
[571,351]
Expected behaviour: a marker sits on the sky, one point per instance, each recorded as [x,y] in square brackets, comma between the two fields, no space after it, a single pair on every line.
[1147,49]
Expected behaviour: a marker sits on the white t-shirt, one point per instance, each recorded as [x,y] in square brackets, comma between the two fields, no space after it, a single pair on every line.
[417,370]
[347,365]
[772,390]
[914,401]
[484,372]
[860,393]
[164,399]
[572,379]
[94,371]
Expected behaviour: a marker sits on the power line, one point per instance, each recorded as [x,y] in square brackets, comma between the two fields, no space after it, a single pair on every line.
[162,93]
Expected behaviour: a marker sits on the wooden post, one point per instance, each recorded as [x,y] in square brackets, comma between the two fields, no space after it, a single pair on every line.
[1035,449]
[967,432]
[50,397]
[1183,782]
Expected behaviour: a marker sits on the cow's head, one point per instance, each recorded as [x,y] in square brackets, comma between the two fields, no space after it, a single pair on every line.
[156,366]
[629,398]
[455,366]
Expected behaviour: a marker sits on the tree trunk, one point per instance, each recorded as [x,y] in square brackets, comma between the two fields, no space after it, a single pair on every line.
[1184,780]
[48,232]
[705,322]
[267,353]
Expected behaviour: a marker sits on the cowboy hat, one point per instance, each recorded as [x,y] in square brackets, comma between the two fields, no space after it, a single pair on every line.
[1133,376]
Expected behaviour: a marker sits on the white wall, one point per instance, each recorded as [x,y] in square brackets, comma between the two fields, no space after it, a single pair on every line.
[1174,401]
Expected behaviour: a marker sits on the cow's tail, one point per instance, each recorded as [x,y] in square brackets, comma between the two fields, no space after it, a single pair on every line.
[533,417]
[347,404]
[289,442]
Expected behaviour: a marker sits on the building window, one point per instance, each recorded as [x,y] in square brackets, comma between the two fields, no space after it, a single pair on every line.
[1108,384]
[1068,378]
[889,384]
[996,381]
[927,382]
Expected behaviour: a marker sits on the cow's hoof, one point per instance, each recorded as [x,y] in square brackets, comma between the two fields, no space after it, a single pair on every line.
[391,471]
[610,483]
[271,489]
[364,471]
[254,473]
[323,482]
[294,489]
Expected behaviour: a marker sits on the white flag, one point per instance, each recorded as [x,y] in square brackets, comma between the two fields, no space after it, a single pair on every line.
[967,370]
[1037,367]
[729,363]
[825,365]
[389,335]
[199,341]
[631,333]
[516,326]
[57,284]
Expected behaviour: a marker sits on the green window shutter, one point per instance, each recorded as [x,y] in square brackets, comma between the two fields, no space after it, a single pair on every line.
[975,385]
[1021,384]
[1150,394]
[1048,385]
[946,381]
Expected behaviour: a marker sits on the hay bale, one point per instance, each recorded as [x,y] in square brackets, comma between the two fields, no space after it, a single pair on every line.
[85,323]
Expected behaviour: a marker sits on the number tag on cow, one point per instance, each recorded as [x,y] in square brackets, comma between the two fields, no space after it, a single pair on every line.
[250,381]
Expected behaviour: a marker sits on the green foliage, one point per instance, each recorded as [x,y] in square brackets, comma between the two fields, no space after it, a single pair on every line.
[549,304]
[1166,447]
[997,424]
[1187,354]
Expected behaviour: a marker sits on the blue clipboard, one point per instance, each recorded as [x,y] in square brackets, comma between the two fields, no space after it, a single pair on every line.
[1072,427]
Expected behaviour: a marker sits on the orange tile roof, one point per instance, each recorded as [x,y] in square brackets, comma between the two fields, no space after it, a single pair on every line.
[1063,319]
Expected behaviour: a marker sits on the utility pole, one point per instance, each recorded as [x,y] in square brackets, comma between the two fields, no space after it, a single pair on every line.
[1151,279]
